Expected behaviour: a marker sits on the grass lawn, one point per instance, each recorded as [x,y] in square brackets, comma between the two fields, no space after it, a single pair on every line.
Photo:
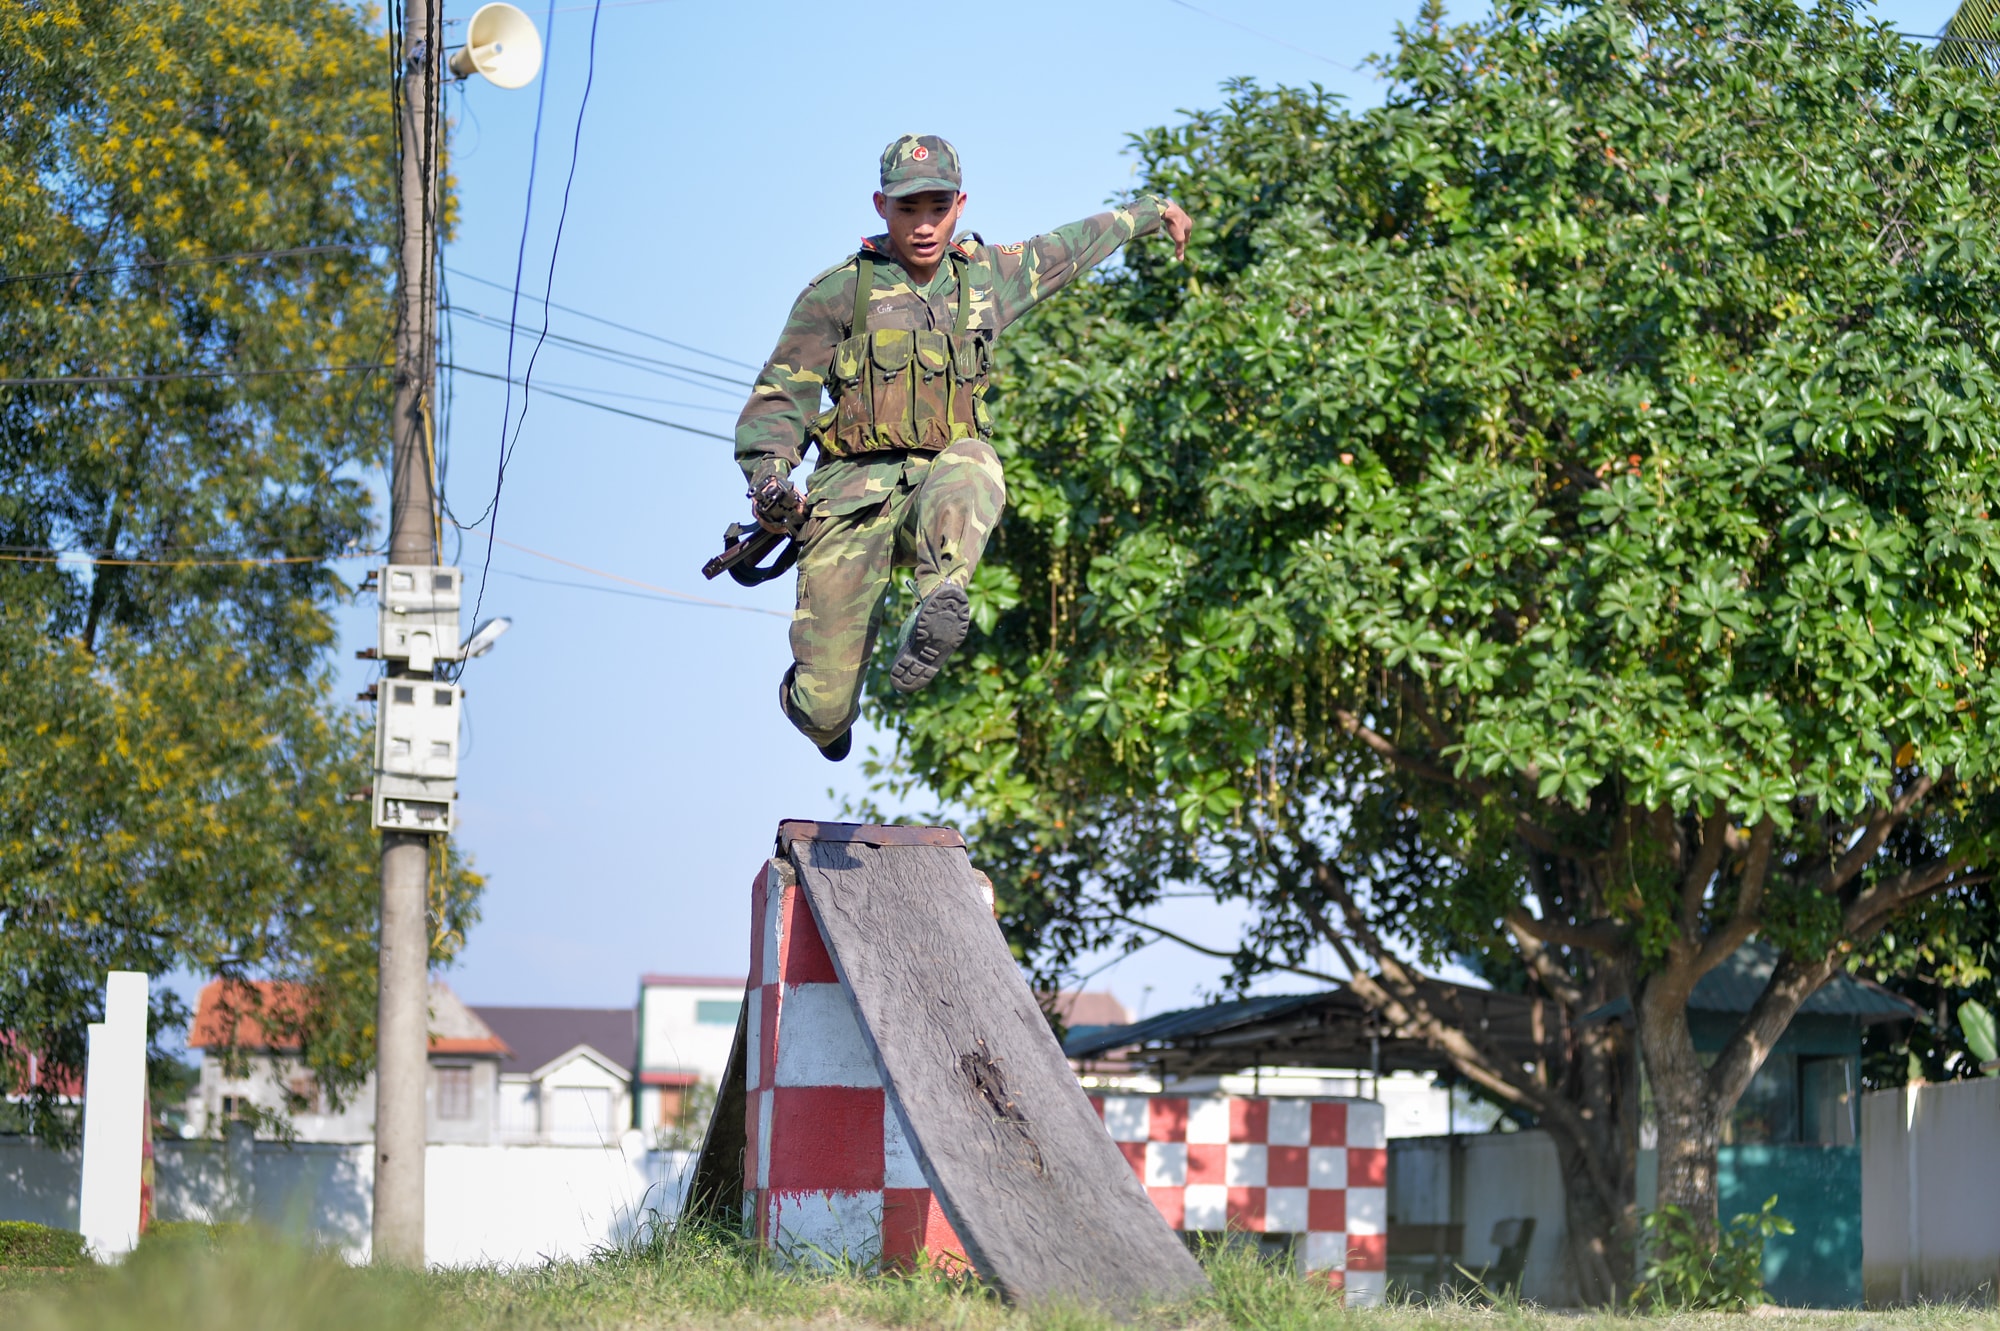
[248,1286]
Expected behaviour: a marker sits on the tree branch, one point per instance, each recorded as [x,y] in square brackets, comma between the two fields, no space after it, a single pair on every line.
[1878,829]
[1748,915]
[1707,859]
[1790,985]
[1604,935]
[1525,826]
[1386,749]
[1543,967]
[1866,912]
[1263,959]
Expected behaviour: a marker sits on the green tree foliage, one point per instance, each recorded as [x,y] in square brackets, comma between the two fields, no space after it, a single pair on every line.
[174,776]
[1549,519]
[1940,955]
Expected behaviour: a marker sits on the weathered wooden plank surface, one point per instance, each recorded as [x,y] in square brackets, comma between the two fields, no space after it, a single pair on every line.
[715,1189]
[868,834]
[1046,1205]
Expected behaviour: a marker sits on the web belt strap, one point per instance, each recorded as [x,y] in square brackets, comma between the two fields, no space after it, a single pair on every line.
[864,291]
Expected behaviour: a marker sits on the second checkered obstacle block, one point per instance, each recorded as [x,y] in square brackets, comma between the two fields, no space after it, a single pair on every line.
[1313,1170]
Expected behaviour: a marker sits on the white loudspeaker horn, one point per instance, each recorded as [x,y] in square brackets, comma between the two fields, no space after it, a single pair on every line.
[501,43]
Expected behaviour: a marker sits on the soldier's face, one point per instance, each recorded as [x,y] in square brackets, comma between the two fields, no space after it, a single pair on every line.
[921,225]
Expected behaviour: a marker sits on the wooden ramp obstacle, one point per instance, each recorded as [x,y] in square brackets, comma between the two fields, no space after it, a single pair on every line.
[902,1091]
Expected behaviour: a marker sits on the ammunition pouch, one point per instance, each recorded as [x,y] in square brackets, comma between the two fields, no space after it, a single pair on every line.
[894,389]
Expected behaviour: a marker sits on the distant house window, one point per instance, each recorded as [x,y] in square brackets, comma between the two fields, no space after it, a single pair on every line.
[454,1093]
[717,1011]
[302,1093]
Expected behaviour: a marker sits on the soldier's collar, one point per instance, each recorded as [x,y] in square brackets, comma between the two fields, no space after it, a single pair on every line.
[879,246]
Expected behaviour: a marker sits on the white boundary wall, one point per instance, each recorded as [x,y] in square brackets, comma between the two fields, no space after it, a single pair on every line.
[506,1205]
[114,1118]
[1930,1183]
[1507,1175]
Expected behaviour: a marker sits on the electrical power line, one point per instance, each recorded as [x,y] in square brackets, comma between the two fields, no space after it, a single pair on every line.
[213,561]
[578,9]
[548,287]
[52,379]
[609,323]
[586,402]
[1244,27]
[630,582]
[637,596]
[237,256]
[632,356]
[732,392]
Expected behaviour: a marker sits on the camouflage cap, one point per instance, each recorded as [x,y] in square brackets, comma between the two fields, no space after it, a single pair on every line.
[919,162]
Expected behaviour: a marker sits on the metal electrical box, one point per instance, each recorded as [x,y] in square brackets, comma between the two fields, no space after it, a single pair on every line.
[419,614]
[416,755]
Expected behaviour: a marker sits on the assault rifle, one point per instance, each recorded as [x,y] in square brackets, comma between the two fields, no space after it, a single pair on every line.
[744,546]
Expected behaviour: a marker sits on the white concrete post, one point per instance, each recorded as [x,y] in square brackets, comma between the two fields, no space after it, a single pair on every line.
[114,1119]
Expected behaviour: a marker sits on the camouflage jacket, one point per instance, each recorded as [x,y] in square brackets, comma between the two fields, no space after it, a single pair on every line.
[771,433]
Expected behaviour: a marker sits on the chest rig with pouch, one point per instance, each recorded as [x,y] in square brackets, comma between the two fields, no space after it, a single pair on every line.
[898,389]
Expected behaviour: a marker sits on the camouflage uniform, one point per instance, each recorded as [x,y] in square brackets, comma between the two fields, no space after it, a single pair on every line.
[874,512]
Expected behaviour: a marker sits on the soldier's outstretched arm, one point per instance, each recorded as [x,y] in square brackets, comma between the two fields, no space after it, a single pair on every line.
[771,432]
[1028,273]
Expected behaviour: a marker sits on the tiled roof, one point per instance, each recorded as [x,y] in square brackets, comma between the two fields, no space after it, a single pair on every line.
[228,1013]
[37,1073]
[1087,1007]
[691,981]
[538,1034]
[1735,985]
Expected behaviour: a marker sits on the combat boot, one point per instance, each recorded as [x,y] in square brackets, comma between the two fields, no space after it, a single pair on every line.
[931,634]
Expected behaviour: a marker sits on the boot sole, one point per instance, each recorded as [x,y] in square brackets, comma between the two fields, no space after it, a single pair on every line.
[942,621]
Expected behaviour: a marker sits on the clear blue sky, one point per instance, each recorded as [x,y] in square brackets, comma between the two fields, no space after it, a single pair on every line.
[627,765]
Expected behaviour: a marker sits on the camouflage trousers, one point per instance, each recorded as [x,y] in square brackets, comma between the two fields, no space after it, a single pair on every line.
[935,522]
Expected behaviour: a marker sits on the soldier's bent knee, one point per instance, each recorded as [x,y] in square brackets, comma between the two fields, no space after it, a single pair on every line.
[820,713]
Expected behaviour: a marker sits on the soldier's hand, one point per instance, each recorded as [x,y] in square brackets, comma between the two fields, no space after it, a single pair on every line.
[1179,227]
[776,506]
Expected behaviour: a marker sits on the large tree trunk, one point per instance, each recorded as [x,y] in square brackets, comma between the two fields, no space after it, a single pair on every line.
[1686,1110]
[1596,1223]
[1597,1150]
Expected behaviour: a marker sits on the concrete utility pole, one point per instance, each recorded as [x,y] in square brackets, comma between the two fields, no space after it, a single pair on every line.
[417,714]
[402,1061]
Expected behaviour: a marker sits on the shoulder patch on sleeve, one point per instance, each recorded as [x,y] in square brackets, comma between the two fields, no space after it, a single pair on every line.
[843,265]
[1015,248]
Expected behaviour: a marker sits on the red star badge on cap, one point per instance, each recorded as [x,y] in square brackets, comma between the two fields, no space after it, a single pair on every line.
[920,153]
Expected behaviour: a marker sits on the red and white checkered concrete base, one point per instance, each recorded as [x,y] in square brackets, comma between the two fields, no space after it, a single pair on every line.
[1317,1170]
[829,1174]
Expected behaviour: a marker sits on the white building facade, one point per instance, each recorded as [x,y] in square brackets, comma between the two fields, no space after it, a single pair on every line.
[686,1025]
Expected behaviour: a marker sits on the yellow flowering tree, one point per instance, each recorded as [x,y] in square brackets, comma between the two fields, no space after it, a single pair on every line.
[196,205]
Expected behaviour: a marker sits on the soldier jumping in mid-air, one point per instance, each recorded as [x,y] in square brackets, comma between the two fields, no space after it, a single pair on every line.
[900,335]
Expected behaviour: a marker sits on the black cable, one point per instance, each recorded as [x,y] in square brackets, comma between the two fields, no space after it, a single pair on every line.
[613,392]
[601,406]
[237,256]
[548,290]
[733,393]
[611,323]
[179,374]
[520,269]
[637,595]
[736,384]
